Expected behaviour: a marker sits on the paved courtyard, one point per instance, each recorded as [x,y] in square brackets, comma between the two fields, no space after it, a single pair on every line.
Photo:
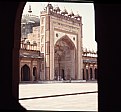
[43,96]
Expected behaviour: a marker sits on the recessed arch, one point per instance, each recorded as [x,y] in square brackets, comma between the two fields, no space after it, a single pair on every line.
[91,74]
[87,75]
[68,41]
[95,70]
[64,53]
[25,73]
[35,73]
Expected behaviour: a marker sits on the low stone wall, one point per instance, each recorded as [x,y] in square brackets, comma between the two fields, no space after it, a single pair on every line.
[54,81]
[63,81]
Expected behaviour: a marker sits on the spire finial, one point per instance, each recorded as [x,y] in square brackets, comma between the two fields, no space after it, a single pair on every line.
[30,11]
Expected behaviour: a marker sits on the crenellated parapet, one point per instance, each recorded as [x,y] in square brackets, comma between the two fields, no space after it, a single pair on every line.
[57,12]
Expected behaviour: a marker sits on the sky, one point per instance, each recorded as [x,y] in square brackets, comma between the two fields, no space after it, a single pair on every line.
[86,10]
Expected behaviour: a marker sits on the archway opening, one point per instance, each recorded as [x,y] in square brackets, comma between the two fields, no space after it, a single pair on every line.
[83,75]
[35,73]
[25,73]
[64,53]
[87,75]
[96,73]
[91,74]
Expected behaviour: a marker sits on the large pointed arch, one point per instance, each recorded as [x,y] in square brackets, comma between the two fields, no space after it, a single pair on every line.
[66,39]
[64,53]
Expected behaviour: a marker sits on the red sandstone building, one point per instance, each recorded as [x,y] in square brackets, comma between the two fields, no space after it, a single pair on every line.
[52,49]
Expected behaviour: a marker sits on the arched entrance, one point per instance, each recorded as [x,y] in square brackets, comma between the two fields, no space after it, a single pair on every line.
[35,73]
[64,61]
[96,73]
[25,73]
[63,74]
[83,75]
[87,77]
[90,73]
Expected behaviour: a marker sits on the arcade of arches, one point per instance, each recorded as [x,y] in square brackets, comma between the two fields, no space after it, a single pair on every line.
[32,69]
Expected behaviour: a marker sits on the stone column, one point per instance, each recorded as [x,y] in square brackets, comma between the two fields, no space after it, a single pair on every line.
[85,71]
[38,69]
[87,76]
[79,55]
[29,47]
[76,65]
[31,70]
[89,71]
[47,48]
[73,63]
[93,72]
[51,51]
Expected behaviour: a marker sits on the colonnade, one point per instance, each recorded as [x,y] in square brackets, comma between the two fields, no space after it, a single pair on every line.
[90,71]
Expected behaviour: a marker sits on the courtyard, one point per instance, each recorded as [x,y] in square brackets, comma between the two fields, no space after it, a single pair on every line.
[59,96]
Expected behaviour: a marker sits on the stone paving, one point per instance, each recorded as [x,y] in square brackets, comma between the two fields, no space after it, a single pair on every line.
[80,102]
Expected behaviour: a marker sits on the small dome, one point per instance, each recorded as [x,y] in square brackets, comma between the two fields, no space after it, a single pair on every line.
[64,11]
[49,6]
[57,9]
[77,16]
[71,13]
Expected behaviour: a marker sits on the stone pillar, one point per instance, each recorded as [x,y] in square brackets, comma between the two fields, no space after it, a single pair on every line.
[93,72]
[29,46]
[79,55]
[47,48]
[89,71]
[85,71]
[38,69]
[76,65]
[51,52]
[73,63]
[31,70]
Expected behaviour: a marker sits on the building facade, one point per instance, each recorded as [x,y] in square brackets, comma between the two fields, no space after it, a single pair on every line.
[89,65]
[57,43]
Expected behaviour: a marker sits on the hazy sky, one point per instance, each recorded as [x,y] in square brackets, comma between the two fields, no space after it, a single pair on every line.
[86,10]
